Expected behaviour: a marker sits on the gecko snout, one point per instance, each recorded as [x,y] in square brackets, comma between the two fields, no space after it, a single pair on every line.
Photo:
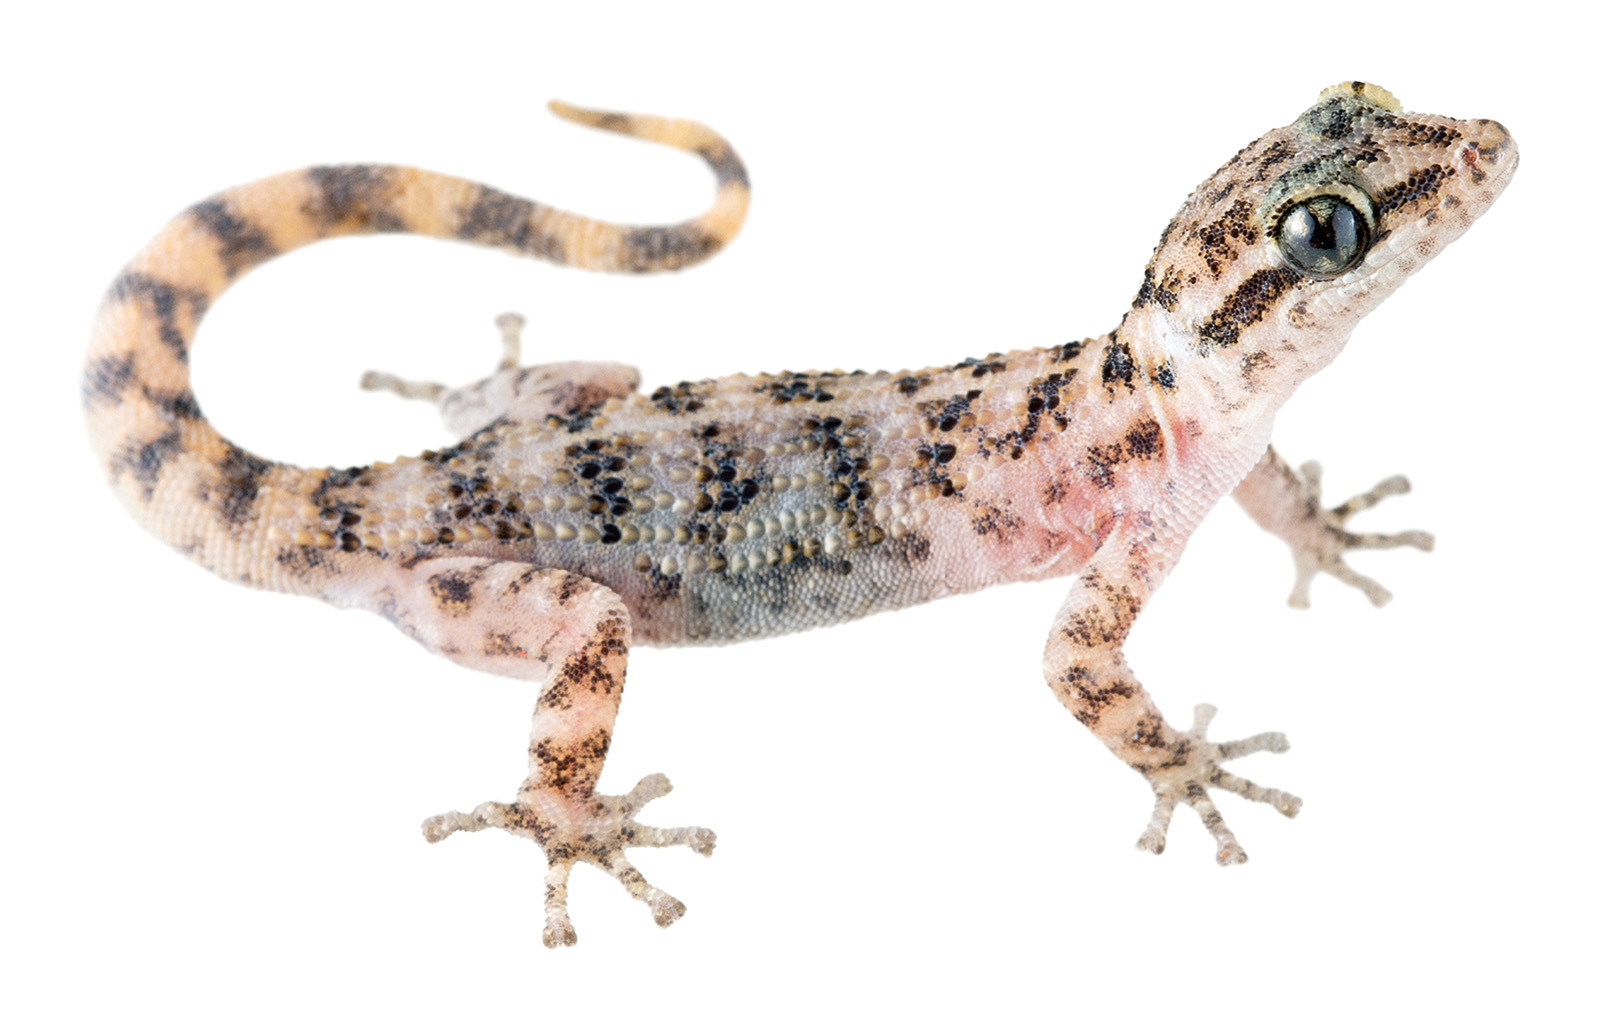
[1490,153]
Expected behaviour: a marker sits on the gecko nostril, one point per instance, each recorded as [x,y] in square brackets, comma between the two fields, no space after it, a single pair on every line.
[1490,144]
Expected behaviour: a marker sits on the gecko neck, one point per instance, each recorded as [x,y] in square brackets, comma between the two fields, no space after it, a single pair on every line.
[1237,389]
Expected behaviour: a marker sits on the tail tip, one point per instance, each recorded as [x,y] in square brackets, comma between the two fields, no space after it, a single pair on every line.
[589,116]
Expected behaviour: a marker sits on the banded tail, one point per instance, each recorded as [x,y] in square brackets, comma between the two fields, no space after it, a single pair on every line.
[174,471]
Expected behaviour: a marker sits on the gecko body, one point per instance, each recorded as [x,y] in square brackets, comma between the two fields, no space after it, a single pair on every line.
[578,517]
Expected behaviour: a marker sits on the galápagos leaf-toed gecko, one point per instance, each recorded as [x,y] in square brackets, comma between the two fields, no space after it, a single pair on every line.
[578,517]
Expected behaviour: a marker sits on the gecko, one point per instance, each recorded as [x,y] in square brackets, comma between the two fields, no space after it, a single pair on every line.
[578,516]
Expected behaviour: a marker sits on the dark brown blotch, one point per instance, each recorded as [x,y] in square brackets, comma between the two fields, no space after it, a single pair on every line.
[1118,367]
[572,769]
[1100,464]
[995,522]
[1275,153]
[240,244]
[1252,365]
[502,645]
[1145,440]
[684,398]
[663,247]
[568,587]
[725,163]
[1218,240]
[1417,134]
[1091,626]
[1087,699]
[144,461]
[1420,185]
[452,591]
[1164,377]
[1164,294]
[1246,306]
[589,668]
[499,219]
[356,195]
[909,385]
[164,298]
[239,474]
[175,407]
[107,378]
[1332,118]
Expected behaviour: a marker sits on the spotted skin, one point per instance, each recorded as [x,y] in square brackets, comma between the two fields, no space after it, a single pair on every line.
[577,517]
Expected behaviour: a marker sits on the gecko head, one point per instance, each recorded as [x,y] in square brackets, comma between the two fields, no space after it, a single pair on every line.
[1310,227]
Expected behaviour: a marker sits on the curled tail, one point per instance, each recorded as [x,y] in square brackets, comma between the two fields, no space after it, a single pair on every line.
[203,494]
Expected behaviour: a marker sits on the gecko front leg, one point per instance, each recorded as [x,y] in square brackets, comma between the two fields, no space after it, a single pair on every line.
[1085,667]
[1288,505]
[513,619]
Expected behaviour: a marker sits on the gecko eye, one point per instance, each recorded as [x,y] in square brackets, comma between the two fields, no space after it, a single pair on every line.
[1323,236]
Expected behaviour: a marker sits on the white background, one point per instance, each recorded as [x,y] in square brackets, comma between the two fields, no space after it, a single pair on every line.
[212,796]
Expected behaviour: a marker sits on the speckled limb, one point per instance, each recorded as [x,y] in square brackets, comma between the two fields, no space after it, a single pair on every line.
[511,619]
[1086,669]
[1289,506]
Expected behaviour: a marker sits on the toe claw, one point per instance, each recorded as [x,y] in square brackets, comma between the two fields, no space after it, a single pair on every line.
[701,840]
[667,910]
[1231,854]
[1152,841]
[559,934]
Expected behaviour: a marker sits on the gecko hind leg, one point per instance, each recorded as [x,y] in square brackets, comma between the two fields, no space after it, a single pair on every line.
[572,635]
[1186,784]
[526,393]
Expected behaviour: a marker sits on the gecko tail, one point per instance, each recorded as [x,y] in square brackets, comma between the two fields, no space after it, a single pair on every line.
[208,497]
[603,247]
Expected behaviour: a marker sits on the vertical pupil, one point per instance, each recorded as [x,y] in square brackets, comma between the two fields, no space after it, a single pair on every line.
[1323,236]
[1333,230]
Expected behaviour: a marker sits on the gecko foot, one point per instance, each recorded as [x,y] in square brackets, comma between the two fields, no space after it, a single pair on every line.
[1196,764]
[596,829]
[510,325]
[1321,546]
